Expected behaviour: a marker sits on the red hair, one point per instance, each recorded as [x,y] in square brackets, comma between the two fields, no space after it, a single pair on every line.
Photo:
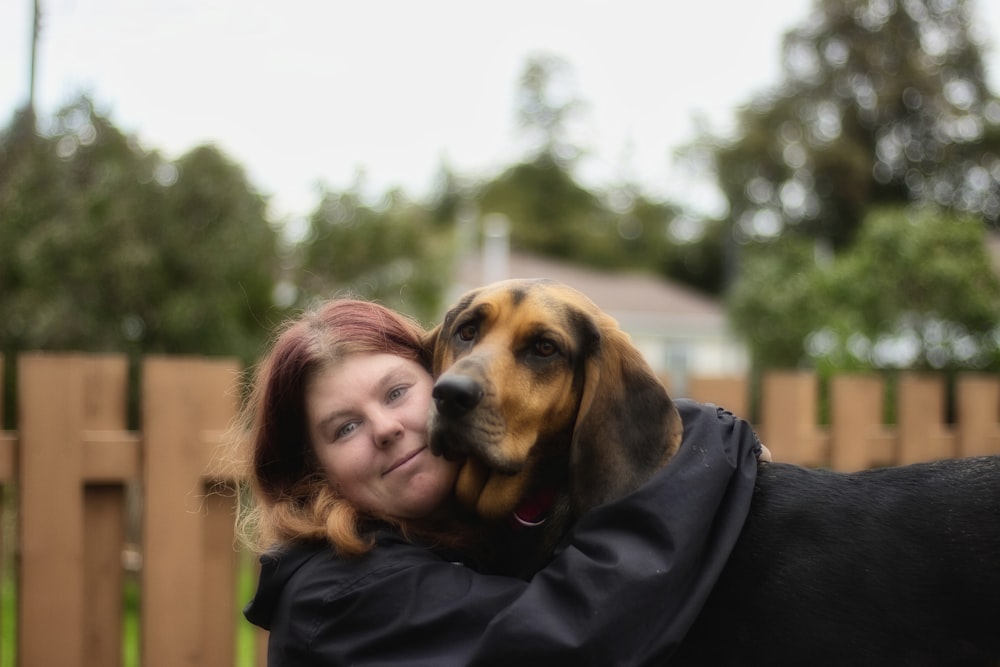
[294,499]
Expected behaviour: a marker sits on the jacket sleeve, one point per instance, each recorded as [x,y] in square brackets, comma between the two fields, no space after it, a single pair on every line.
[623,591]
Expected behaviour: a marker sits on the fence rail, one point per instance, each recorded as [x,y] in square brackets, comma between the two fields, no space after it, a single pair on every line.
[74,466]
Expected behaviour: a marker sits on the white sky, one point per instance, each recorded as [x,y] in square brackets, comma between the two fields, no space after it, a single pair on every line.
[302,92]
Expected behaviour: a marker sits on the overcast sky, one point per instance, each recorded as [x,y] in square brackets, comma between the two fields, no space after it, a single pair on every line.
[301,92]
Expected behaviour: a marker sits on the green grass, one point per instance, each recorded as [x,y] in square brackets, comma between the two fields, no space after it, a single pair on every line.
[246,636]
[8,615]
[130,622]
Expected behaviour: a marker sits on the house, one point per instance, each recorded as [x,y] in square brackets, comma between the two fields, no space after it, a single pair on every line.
[679,331]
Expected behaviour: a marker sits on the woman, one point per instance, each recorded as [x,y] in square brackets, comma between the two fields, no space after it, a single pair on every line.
[367,563]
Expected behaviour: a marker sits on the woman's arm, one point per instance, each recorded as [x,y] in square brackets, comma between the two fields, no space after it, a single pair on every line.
[624,590]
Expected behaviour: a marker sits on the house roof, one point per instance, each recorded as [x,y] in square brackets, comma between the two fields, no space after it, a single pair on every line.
[635,299]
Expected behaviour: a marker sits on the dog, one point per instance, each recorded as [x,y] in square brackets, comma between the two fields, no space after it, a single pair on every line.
[553,411]
[533,383]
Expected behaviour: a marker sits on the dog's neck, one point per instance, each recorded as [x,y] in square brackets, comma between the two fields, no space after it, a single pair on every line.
[535,509]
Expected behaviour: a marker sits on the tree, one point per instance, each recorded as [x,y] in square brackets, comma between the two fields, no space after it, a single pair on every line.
[882,103]
[547,105]
[105,246]
[394,252]
[216,252]
[552,214]
[914,290]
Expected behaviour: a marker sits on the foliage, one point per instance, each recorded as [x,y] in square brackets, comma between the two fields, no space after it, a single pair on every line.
[394,252]
[107,247]
[914,290]
[552,214]
[547,104]
[772,304]
[882,102]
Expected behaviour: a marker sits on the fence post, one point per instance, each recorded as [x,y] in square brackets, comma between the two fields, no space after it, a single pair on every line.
[51,503]
[855,421]
[729,392]
[977,405]
[188,596]
[920,415]
[788,418]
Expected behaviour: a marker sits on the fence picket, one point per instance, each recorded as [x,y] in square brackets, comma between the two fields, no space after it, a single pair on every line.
[729,392]
[789,418]
[51,510]
[920,413]
[977,406]
[855,416]
[183,400]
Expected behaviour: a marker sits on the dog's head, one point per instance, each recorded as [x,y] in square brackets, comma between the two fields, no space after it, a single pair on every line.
[532,376]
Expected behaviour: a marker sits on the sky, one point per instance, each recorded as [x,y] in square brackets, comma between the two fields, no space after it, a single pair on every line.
[308,92]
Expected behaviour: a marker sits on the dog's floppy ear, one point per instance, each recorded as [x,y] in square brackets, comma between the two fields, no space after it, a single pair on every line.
[627,426]
[431,357]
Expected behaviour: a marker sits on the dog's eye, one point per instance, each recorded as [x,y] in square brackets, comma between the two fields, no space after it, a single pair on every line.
[468,331]
[545,348]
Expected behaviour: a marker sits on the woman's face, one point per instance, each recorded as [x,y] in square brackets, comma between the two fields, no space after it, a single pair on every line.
[368,426]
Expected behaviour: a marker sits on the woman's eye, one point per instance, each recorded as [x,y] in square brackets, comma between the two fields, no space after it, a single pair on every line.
[346,429]
[468,332]
[396,393]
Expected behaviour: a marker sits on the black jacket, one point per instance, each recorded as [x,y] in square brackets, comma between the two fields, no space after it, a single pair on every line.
[623,590]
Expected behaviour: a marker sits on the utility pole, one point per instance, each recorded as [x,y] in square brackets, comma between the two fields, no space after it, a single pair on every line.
[35,29]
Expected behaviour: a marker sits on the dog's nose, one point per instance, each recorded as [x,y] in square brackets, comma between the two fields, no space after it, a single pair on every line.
[455,395]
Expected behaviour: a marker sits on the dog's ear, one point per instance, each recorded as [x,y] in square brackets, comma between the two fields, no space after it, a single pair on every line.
[431,350]
[627,427]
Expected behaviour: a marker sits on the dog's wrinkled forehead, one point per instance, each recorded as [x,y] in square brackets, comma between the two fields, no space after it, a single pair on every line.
[504,297]
[526,305]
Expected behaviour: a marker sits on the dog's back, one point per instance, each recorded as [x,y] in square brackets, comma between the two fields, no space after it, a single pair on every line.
[896,566]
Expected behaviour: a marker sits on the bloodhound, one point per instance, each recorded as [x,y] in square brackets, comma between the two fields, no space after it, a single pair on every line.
[537,389]
[530,373]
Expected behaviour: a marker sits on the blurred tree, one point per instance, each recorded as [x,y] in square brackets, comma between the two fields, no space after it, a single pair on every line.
[549,211]
[882,102]
[547,105]
[395,252]
[552,214]
[217,255]
[107,247]
[914,290]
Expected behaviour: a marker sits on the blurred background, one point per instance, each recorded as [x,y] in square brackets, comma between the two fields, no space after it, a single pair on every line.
[809,183]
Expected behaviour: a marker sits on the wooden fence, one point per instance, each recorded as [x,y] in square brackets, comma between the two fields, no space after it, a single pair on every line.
[72,465]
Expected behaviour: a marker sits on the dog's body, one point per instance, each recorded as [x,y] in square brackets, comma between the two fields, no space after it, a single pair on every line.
[895,566]
[542,395]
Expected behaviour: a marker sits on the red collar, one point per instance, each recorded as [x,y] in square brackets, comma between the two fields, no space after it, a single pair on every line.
[535,509]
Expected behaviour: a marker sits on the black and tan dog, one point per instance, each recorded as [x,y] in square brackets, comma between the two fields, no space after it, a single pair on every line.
[550,406]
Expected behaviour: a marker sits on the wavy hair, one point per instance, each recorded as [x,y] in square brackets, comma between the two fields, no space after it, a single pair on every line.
[290,499]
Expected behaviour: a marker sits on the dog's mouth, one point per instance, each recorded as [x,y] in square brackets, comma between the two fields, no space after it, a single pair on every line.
[458,438]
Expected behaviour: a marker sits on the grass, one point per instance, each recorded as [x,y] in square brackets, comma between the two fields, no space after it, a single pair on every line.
[246,634]
[8,615]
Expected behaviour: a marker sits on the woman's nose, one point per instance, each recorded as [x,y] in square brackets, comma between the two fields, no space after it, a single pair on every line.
[386,429]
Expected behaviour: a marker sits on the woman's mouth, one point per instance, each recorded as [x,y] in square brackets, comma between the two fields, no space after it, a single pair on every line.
[403,461]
